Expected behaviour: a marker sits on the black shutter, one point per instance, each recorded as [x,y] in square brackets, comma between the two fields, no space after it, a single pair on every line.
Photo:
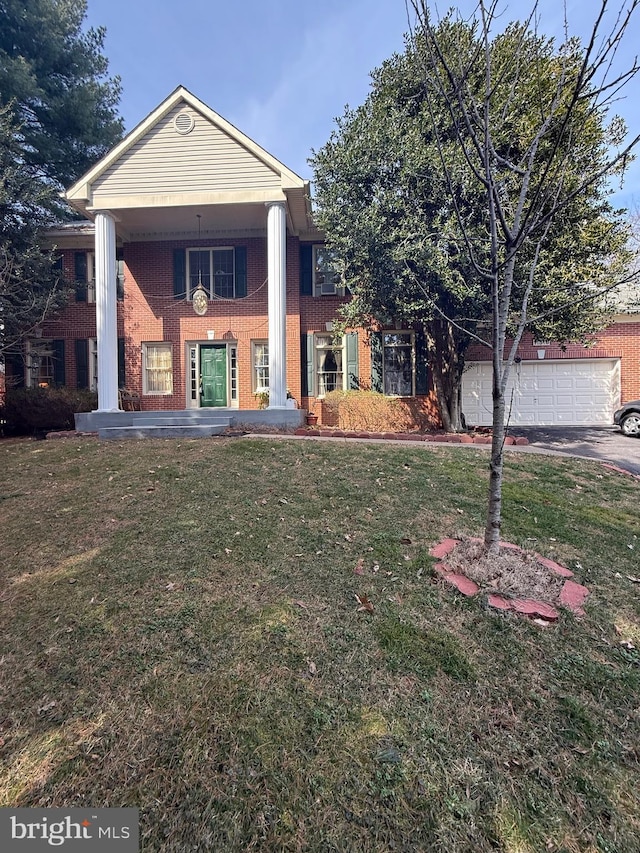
[81,276]
[375,340]
[306,270]
[119,275]
[422,367]
[179,274]
[58,362]
[122,375]
[57,265]
[241,272]
[82,362]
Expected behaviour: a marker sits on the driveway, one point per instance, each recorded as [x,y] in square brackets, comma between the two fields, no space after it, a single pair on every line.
[606,444]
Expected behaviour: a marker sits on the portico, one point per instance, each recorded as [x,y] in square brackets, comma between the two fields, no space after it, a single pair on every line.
[213,207]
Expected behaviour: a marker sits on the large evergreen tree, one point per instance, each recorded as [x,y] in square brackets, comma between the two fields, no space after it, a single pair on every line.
[58,115]
[31,283]
[406,213]
[54,76]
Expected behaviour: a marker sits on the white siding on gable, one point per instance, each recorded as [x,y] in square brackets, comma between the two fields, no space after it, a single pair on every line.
[165,161]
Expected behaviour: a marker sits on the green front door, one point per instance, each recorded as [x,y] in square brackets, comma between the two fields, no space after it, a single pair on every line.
[213,375]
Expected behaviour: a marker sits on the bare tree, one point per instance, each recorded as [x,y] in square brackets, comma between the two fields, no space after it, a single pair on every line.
[531,177]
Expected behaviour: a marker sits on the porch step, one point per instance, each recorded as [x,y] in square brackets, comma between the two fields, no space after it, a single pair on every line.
[155,431]
[181,420]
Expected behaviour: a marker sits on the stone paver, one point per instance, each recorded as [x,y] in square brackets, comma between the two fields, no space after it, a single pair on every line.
[443,548]
[536,609]
[572,596]
[463,584]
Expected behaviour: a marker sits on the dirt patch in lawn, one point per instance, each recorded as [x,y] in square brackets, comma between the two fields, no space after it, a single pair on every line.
[512,572]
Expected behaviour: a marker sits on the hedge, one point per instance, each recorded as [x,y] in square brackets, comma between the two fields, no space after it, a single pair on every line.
[29,411]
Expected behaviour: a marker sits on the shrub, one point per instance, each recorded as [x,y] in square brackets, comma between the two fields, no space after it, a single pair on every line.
[368,410]
[28,411]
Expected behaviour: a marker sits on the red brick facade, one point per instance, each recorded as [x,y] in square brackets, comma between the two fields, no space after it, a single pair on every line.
[151,313]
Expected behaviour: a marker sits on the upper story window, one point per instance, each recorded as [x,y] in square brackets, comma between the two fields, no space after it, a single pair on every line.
[215,269]
[326,276]
[85,276]
[398,364]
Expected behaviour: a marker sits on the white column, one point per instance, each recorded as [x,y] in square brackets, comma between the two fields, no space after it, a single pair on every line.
[106,312]
[277,286]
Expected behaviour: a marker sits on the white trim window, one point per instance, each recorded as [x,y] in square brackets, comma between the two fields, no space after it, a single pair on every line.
[40,370]
[329,365]
[326,276]
[215,269]
[157,374]
[260,366]
[91,277]
[398,364]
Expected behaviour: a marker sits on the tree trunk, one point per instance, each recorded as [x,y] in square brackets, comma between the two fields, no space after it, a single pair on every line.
[446,362]
[494,509]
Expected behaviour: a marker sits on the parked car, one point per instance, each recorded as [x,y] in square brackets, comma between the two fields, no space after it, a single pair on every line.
[628,418]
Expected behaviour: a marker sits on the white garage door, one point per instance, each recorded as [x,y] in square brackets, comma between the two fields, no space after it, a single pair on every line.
[581,391]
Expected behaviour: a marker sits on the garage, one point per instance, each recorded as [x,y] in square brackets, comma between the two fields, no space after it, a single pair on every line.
[584,391]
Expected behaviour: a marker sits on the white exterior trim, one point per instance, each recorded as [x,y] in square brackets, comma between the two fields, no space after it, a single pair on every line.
[106,312]
[277,303]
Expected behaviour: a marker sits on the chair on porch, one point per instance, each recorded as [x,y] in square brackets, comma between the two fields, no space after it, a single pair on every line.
[129,401]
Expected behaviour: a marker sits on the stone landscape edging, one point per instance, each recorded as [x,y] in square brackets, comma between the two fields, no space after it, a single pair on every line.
[447,438]
[572,594]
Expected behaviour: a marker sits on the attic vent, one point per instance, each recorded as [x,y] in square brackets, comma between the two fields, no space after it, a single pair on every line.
[183,123]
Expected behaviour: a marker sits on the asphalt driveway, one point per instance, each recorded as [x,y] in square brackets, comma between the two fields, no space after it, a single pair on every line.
[606,444]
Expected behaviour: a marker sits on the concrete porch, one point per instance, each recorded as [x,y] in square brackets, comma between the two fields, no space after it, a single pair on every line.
[184,423]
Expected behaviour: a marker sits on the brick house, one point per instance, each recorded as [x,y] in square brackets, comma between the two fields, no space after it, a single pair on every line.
[202,281]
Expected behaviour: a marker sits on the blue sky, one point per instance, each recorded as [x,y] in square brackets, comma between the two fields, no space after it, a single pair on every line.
[281,71]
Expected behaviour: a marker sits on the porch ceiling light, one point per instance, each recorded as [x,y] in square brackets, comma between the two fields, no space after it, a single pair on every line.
[199,297]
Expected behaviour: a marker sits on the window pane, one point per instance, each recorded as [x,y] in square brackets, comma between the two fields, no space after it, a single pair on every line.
[223,272]
[398,365]
[326,276]
[199,270]
[328,365]
[40,363]
[159,369]
[261,367]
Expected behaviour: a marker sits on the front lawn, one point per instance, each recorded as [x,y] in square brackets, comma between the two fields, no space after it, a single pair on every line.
[179,632]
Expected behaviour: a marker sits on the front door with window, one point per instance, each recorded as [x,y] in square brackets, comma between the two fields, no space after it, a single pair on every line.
[213,375]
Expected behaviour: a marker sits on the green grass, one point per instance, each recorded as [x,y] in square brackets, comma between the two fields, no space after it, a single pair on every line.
[179,632]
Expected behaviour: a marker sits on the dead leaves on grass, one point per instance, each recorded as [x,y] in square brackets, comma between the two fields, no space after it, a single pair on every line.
[365,604]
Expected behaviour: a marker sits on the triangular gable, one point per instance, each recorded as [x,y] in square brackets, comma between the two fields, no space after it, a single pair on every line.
[182,146]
